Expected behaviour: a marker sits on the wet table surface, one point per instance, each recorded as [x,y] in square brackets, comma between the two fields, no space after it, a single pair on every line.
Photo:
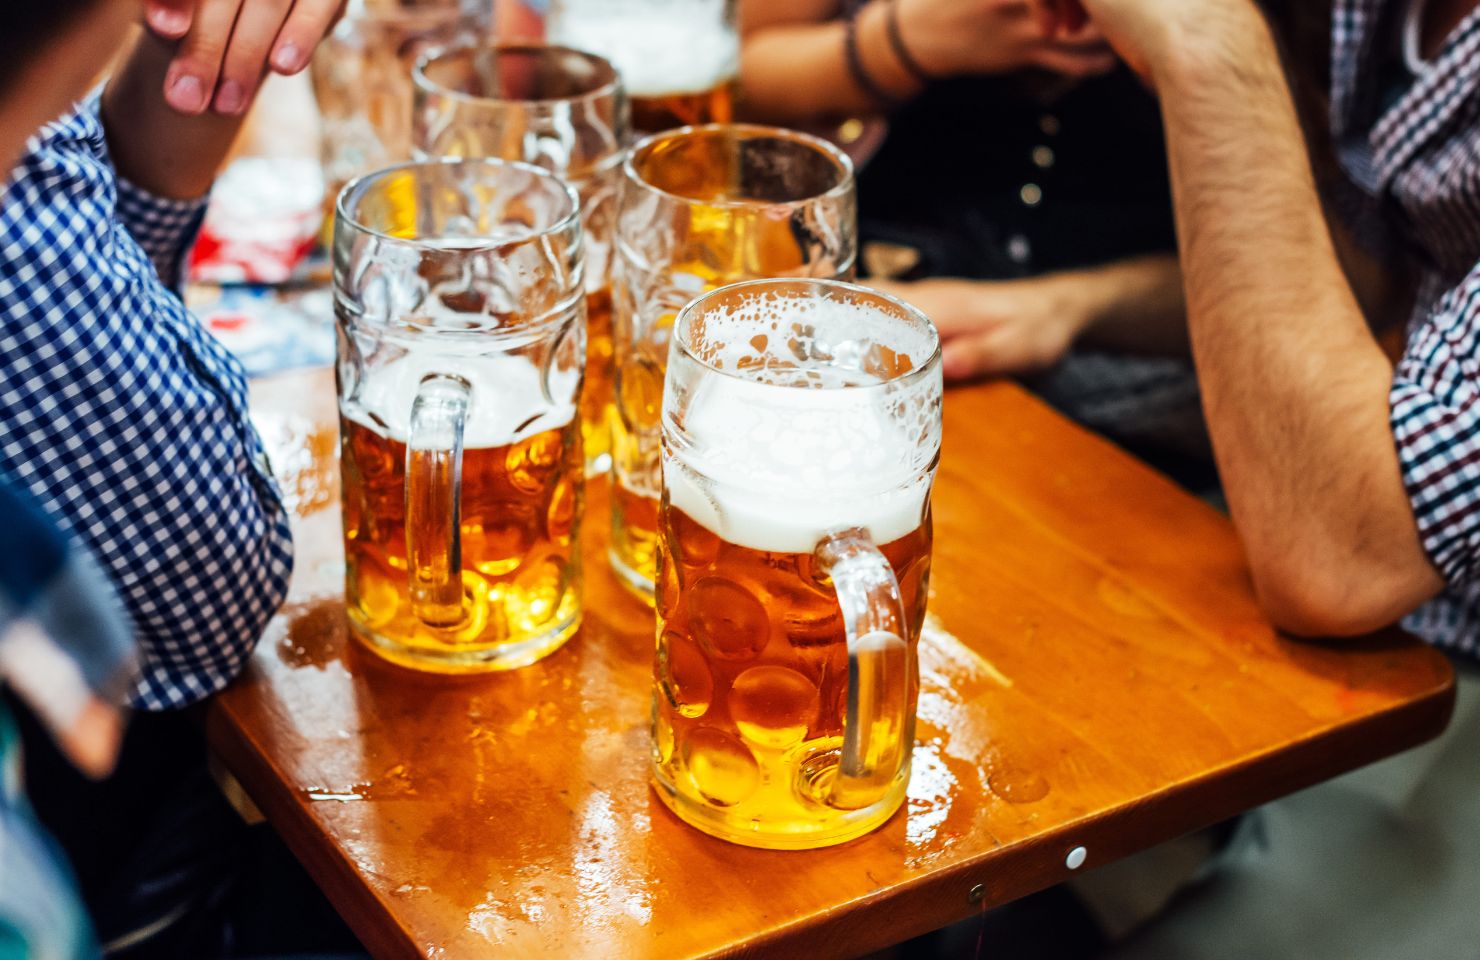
[1095,673]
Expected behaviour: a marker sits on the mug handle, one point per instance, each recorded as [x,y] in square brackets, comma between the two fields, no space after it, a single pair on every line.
[434,455]
[878,732]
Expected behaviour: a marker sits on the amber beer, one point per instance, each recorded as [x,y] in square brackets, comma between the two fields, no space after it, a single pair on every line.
[597,410]
[520,499]
[701,208]
[800,434]
[459,295]
[679,59]
[664,111]
[752,681]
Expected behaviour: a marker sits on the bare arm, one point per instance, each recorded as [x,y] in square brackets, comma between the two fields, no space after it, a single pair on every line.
[1294,385]
[794,69]
[153,146]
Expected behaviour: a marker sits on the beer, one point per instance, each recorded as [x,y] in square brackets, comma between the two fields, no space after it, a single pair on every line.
[559,109]
[702,208]
[664,111]
[596,393]
[520,507]
[789,443]
[679,59]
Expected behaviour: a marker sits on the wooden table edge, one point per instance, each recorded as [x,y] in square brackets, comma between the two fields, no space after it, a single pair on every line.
[944,898]
[923,904]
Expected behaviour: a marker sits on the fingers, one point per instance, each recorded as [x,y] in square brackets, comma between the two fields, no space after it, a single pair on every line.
[305,27]
[256,29]
[169,19]
[1069,62]
[971,358]
[190,82]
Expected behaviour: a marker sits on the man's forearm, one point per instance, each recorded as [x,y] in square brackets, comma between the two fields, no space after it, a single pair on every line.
[153,146]
[1295,387]
[1139,307]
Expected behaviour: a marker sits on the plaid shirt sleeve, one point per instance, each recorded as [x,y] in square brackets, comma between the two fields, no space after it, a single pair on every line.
[127,420]
[1435,403]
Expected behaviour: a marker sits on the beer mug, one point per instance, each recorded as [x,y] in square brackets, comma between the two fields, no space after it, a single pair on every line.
[700,208]
[458,293]
[801,432]
[558,109]
[362,78]
[679,59]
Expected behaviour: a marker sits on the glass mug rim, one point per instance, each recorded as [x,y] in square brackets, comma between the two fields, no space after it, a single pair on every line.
[353,191]
[752,131]
[610,84]
[904,312]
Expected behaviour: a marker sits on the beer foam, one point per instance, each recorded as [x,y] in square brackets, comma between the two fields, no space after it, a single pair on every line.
[677,49]
[508,401]
[776,467]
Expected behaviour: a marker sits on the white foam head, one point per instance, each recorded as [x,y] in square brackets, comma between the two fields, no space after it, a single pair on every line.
[777,467]
[508,401]
[658,49]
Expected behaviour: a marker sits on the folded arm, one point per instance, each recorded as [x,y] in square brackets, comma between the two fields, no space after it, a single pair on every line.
[1295,387]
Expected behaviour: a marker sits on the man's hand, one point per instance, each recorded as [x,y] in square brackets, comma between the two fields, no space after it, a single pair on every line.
[951,37]
[1148,33]
[226,47]
[999,328]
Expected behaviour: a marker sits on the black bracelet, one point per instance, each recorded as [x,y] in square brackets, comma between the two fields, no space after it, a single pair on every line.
[855,64]
[896,41]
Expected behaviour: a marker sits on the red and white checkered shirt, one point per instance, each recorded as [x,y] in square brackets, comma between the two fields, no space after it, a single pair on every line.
[1411,143]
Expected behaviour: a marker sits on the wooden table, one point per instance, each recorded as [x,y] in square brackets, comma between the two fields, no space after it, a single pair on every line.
[1095,674]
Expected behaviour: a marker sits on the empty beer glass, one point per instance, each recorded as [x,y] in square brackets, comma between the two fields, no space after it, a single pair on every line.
[679,59]
[559,109]
[458,292]
[801,431]
[362,78]
[702,207]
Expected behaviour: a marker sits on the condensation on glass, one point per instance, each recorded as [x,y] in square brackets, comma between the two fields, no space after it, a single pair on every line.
[699,208]
[801,433]
[679,59]
[561,110]
[459,298]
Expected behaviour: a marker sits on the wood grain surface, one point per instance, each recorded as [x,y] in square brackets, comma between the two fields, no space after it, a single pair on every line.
[1095,673]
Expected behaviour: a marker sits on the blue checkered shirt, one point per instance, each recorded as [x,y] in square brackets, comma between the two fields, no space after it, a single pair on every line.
[126,420]
[1414,152]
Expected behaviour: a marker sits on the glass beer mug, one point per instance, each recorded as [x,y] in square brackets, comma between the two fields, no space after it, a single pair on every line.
[564,111]
[458,292]
[699,208]
[801,432]
[679,59]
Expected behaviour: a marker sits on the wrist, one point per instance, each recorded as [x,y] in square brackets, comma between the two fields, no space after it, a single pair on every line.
[1188,57]
[876,55]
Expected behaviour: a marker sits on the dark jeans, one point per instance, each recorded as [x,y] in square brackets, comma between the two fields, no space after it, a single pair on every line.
[167,869]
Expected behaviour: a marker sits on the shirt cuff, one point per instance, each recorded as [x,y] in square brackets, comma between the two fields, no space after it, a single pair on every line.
[164,228]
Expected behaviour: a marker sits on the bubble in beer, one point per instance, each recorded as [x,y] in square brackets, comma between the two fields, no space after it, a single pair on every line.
[772,706]
[721,768]
[540,586]
[667,584]
[501,543]
[684,675]
[561,515]
[378,597]
[727,619]
[532,462]
[696,546]
[640,390]
[662,728]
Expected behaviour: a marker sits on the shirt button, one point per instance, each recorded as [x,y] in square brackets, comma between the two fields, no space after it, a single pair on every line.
[1019,249]
[1049,124]
[1043,157]
[1031,194]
